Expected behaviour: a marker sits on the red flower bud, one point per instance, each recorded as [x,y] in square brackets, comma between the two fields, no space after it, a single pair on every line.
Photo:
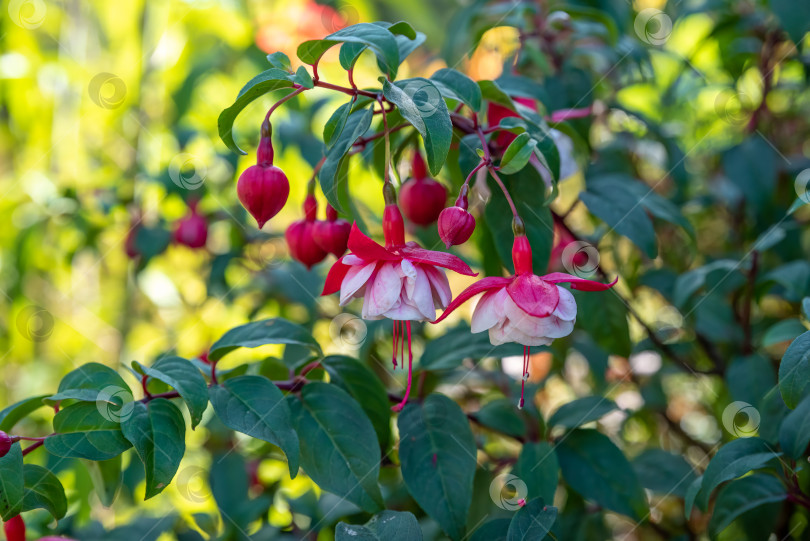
[422,198]
[496,113]
[263,188]
[522,255]
[5,443]
[129,245]
[192,230]
[14,528]
[393,227]
[299,236]
[455,225]
[332,235]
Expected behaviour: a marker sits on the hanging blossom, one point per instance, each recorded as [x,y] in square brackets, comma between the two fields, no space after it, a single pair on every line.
[401,281]
[525,308]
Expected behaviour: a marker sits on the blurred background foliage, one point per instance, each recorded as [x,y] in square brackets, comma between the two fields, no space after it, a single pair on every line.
[109,128]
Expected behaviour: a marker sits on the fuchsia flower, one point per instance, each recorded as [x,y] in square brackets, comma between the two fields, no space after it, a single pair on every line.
[525,308]
[401,281]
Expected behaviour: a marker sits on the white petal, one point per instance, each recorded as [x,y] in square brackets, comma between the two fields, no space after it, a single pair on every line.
[567,307]
[352,259]
[408,270]
[442,294]
[383,291]
[404,311]
[488,312]
[420,295]
[355,278]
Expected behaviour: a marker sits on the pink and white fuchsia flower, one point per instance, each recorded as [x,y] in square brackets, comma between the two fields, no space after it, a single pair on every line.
[525,308]
[401,281]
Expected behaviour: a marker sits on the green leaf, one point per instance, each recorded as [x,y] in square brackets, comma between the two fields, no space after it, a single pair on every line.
[356,126]
[280,61]
[92,382]
[422,104]
[339,449]
[447,351]
[582,411]
[606,322]
[365,387]
[743,495]
[794,17]
[537,466]
[267,81]
[11,482]
[303,78]
[185,378]
[692,492]
[89,430]
[517,154]
[456,86]
[794,370]
[503,416]
[254,406]
[384,526]
[598,470]
[259,333]
[107,478]
[491,91]
[532,522]
[43,491]
[663,472]
[158,433]
[794,434]
[438,456]
[378,39]
[14,413]
[618,207]
[334,126]
[494,530]
[806,307]
[752,166]
[732,460]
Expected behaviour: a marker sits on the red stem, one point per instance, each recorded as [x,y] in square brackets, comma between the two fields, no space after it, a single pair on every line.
[345,90]
[298,90]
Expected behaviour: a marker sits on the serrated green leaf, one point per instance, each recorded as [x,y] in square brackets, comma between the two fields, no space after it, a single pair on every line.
[11,482]
[456,86]
[185,378]
[43,490]
[581,411]
[254,406]
[743,495]
[422,104]
[794,370]
[157,430]
[89,430]
[384,526]
[339,448]
[260,333]
[598,470]
[532,522]
[438,456]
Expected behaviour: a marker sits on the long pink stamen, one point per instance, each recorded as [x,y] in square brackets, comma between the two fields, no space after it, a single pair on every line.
[527,351]
[394,348]
[401,405]
[402,340]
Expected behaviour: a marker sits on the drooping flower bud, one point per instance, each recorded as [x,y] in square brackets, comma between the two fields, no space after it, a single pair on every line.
[5,443]
[393,227]
[332,235]
[14,528]
[192,231]
[456,224]
[521,250]
[422,198]
[299,236]
[263,188]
